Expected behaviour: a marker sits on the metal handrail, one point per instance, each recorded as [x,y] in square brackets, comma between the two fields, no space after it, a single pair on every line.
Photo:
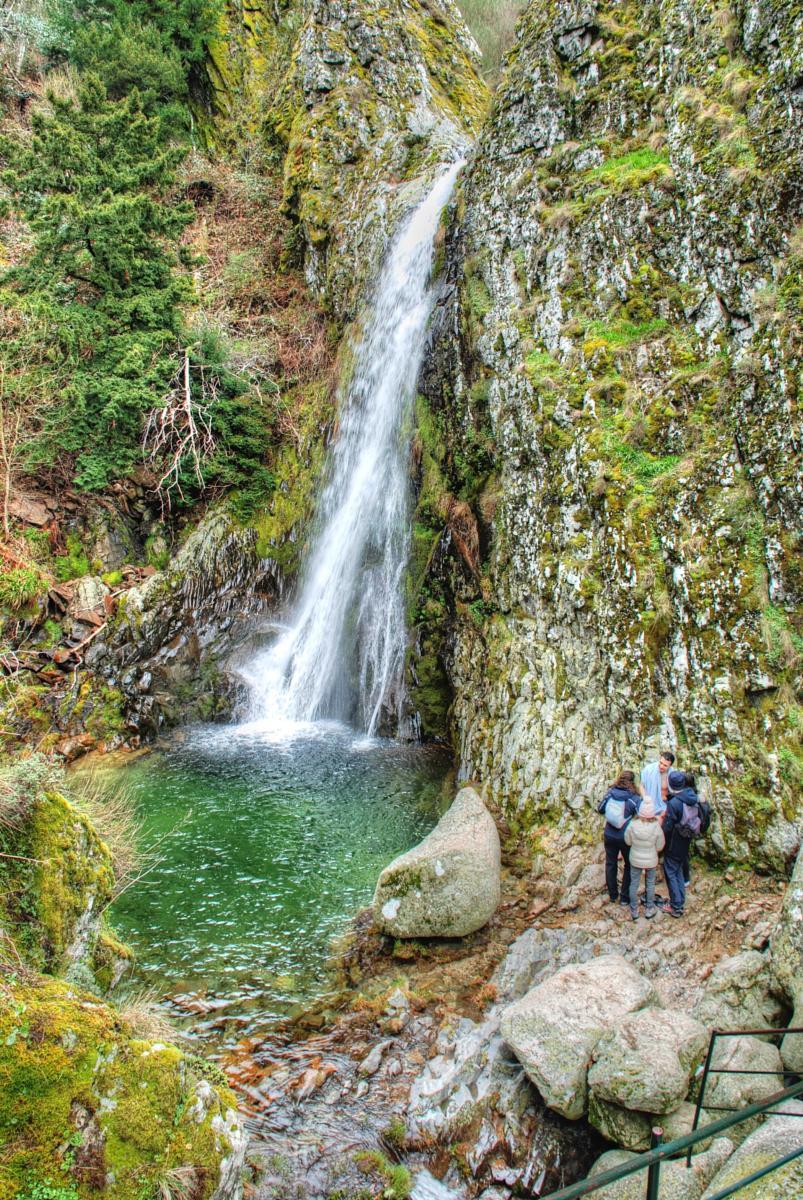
[709,1070]
[651,1160]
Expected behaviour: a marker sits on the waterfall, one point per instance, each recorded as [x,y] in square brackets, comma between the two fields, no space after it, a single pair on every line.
[346,635]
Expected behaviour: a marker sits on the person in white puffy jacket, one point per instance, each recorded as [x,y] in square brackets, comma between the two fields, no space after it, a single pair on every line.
[645,837]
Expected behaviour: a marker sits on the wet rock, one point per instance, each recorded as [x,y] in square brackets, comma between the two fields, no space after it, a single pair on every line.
[554,1029]
[776,1137]
[168,647]
[741,993]
[677,1183]
[646,1062]
[450,884]
[427,1187]
[373,1059]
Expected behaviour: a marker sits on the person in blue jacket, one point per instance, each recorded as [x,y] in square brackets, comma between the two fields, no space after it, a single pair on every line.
[619,804]
[686,817]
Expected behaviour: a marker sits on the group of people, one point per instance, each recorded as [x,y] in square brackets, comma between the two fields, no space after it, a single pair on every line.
[661,813]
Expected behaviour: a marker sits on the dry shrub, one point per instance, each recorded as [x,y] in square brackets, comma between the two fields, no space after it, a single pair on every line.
[142,1013]
[178,1183]
[254,294]
[112,813]
[463,527]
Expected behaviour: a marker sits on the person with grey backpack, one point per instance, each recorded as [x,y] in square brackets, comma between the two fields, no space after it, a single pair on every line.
[619,804]
[687,817]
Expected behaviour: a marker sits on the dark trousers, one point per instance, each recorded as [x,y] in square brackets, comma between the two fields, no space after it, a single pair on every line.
[673,870]
[612,851]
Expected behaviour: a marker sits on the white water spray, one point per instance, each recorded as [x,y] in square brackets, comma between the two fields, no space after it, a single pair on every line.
[347,633]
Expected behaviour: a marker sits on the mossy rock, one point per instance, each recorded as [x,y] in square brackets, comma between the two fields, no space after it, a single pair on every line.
[88,1106]
[57,887]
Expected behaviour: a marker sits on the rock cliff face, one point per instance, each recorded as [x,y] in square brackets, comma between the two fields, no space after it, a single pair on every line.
[608,434]
[362,101]
[167,645]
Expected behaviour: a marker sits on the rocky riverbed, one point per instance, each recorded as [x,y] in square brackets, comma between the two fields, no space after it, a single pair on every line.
[413,1063]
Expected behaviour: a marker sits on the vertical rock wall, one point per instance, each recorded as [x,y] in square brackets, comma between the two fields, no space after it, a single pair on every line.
[611,409]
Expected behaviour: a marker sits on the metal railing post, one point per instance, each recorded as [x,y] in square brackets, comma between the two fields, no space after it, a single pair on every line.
[701,1093]
[654,1172]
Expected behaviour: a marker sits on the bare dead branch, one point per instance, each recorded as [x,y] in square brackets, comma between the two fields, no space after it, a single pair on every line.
[178,432]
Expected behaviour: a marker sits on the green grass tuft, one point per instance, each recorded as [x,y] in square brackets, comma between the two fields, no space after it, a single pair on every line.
[625,333]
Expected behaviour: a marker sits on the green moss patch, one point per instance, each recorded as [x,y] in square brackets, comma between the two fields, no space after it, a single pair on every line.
[87,1107]
[58,884]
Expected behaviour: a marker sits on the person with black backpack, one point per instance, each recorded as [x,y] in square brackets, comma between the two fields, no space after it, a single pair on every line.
[687,817]
[619,804]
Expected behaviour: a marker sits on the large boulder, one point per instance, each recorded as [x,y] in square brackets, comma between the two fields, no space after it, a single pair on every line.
[646,1062]
[554,1029]
[449,885]
[741,993]
[740,1058]
[676,1181]
[776,1137]
[786,951]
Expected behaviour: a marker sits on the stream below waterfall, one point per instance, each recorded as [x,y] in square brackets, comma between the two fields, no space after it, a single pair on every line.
[265,848]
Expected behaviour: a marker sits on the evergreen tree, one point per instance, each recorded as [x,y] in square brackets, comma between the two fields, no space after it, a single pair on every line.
[93,183]
[185,25]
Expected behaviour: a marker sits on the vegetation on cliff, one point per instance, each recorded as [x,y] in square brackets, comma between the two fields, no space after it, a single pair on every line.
[169,351]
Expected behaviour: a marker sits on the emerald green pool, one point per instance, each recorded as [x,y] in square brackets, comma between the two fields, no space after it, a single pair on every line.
[267,846]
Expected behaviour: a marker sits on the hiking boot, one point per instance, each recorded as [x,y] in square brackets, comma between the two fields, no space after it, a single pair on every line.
[674,912]
[649,913]
[624,901]
[634,914]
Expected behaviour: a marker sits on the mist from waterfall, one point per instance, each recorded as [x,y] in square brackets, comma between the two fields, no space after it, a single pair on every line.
[342,652]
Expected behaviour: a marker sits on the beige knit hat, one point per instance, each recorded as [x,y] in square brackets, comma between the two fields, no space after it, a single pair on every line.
[646,809]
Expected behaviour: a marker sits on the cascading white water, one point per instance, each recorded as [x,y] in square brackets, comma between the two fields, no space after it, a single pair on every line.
[347,633]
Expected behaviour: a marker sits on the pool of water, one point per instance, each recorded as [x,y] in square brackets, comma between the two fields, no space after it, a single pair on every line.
[267,842]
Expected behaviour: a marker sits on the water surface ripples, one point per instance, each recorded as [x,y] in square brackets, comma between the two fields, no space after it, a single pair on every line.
[269,841]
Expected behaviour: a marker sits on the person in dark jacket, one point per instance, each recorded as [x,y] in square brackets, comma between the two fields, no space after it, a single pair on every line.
[683,791]
[625,796]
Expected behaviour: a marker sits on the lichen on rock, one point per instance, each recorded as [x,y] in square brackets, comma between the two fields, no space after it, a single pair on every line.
[611,383]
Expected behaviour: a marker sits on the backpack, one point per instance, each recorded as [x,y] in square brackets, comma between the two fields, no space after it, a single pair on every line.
[615,812]
[690,825]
